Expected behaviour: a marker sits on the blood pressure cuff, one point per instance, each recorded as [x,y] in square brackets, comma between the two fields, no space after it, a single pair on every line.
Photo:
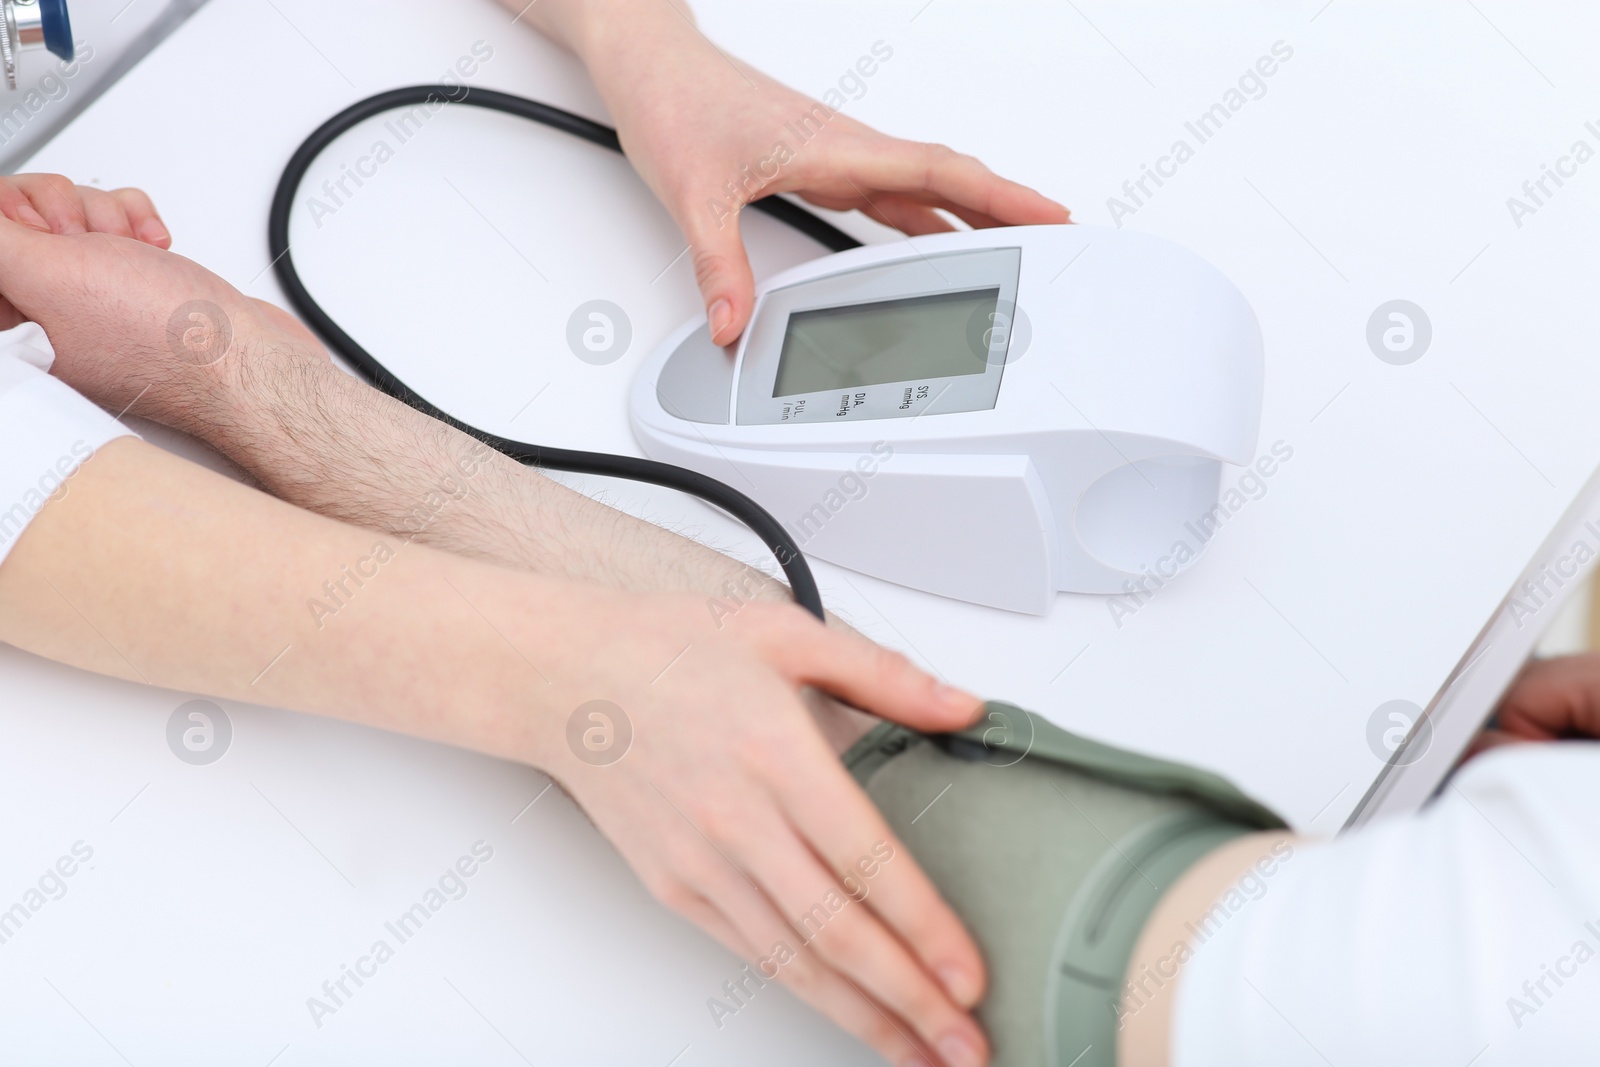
[1054,850]
[46,430]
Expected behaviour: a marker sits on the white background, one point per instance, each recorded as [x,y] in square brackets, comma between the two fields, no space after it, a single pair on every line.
[1376,166]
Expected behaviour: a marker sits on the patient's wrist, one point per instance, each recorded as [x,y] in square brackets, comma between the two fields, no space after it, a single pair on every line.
[265,391]
[311,434]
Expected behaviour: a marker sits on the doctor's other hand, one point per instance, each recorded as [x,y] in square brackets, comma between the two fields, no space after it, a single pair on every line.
[709,134]
[1551,700]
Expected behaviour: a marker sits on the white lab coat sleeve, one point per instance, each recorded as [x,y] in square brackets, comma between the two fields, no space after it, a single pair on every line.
[1468,934]
[47,430]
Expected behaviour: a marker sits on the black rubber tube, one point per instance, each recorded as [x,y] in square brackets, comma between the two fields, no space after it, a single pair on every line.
[735,503]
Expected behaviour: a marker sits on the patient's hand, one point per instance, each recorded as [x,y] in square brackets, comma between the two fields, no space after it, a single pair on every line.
[1550,700]
[50,203]
[133,324]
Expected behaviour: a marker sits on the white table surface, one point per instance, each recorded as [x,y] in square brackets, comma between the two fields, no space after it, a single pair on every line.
[1376,166]
[112,35]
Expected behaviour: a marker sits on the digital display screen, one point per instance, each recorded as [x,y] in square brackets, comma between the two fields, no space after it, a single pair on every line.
[900,340]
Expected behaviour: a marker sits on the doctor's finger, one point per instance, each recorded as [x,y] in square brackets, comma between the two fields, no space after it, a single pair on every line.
[57,199]
[748,924]
[699,909]
[904,215]
[721,269]
[104,213]
[143,217]
[934,171]
[845,829]
[15,205]
[856,670]
[832,919]
[976,219]
[917,208]
[855,1012]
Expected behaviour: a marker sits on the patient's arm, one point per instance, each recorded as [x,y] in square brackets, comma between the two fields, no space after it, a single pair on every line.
[317,437]
[310,434]
[721,743]
[1168,938]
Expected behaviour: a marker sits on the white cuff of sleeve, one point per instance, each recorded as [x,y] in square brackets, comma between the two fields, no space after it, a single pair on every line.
[47,430]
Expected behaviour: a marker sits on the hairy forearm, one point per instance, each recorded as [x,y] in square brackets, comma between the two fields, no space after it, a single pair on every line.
[314,436]
[311,435]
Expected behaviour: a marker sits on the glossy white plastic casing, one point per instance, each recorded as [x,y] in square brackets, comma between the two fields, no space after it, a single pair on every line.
[1132,372]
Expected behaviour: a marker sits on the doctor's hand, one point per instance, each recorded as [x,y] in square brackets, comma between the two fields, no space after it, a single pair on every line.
[1551,700]
[709,134]
[738,815]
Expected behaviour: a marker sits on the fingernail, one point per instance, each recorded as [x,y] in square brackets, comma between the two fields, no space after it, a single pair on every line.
[720,314]
[959,984]
[152,232]
[955,698]
[30,217]
[957,1051]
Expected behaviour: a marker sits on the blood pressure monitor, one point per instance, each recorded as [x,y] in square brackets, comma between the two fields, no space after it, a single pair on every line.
[993,415]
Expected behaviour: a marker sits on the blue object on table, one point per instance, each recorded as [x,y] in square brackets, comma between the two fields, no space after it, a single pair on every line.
[57,28]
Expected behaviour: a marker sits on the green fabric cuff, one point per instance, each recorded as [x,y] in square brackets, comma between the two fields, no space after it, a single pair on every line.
[1054,849]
